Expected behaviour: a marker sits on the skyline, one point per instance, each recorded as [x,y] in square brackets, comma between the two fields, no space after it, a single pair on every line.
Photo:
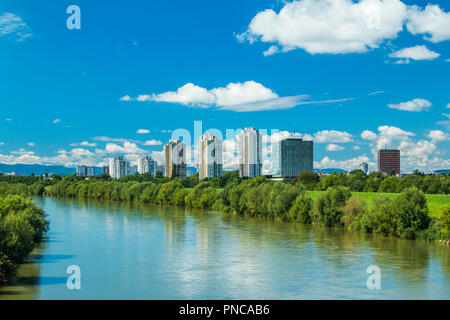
[134,74]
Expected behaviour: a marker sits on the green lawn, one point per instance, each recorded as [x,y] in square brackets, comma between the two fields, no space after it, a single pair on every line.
[436,202]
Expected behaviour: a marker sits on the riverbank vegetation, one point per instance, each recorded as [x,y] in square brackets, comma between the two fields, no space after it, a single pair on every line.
[333,200]
[22,224]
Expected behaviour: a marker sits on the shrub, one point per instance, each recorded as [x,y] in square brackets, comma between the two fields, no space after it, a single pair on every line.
[354,207]
[301,209]
[411,212]
[328,206]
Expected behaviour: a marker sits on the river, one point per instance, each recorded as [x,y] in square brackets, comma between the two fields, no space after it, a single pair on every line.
[134,251]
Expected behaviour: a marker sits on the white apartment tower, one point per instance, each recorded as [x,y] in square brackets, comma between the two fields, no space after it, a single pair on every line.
[210,163]
[118,167]
[175,159]
[250,153]
[146,165]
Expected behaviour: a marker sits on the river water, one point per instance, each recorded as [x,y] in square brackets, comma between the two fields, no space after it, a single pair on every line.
[133,251]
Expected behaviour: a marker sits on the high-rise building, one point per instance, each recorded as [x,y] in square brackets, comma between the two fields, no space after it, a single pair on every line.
[118,167]
[250,153]
[85,171]
[146,165]
[389,161]
[175,159]
[105,170]
[210,162]
[364,166]
[291,156]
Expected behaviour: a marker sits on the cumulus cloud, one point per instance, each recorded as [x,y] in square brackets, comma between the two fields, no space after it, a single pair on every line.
[415,53]
[324,26]
[334,147]
[415,154]
[432,21]
[343,26]
[56,121]
[128,147]
[152,142]
[142,131]
[368,135]
[84,144]
[349,164]
[272,50]
[438,136]
[415,105]
[239,97]
[334,136]
[13,25]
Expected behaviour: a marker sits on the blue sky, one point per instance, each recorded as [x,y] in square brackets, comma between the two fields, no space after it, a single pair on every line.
[370,74]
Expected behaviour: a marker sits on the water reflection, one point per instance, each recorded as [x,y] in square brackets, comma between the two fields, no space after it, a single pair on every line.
[131,250]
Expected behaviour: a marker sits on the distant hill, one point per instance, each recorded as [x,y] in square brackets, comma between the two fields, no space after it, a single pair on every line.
[329,170]
[36,169]
[446,172]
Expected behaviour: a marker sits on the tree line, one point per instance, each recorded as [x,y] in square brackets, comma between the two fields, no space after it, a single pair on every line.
[406,216]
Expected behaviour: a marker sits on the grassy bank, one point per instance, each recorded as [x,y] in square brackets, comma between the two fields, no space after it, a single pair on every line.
[436,202]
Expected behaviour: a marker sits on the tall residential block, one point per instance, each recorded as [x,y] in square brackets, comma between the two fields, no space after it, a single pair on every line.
[118,167]
[364,166]
[175,159]
[210,162]
[388,161]
[250,153]
[85,171]
[146,165]
[291,156]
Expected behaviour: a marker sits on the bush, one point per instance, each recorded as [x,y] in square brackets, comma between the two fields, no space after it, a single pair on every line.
[328,206]
[300,211]
[444,224]
[21,226]
[411,212]
[354,207]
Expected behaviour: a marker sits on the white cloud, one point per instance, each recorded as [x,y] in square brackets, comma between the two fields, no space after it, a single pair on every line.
[239,97]
[142,131]
[415,53]
[128,147]
[376,92]
[448,106]
[11,24]
[152,142]
[109,139]
[356,147]
[56,121]
[368,135]
[335,136]
[2,143]
[8,119]
[343,26]
[432,21]
[31,144]
[125,98]
[415,105]
[334,147]
[84,144]
[272,50]
[350,164]
[438,136]
[324,26]
[387,137]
